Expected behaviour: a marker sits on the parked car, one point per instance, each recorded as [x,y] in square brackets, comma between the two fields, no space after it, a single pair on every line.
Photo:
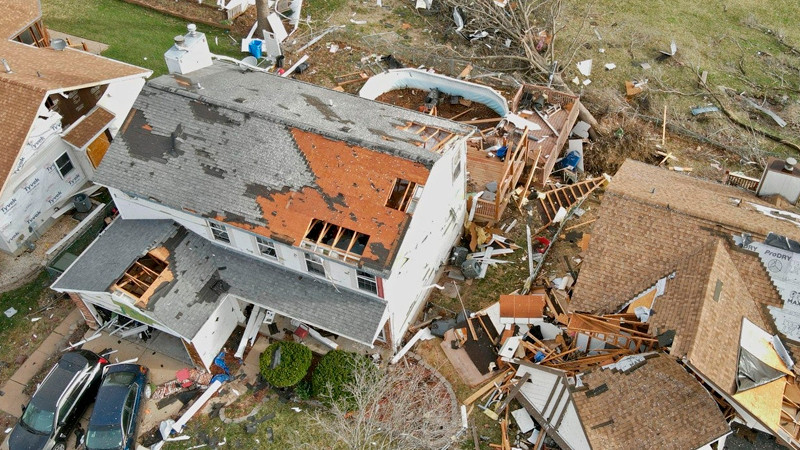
[116,411]
[59,402]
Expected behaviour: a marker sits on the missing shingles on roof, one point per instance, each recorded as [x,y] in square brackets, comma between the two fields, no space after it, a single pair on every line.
[325,109]
[213,171]
[333,201]
[603,424]
[210,114]
[143,143]
[597,391]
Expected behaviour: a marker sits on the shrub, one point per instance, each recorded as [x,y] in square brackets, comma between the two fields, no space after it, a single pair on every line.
[294,364]
[335,371]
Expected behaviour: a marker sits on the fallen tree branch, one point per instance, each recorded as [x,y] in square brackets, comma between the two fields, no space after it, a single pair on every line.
[747,126]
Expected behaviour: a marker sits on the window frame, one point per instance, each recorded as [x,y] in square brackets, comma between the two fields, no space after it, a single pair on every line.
[269,244]
[216,227]
[368,279]
[60,168]
[313,259]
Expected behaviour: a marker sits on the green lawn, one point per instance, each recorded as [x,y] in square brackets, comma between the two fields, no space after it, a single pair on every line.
[134,34]
[725,38]
[23,299]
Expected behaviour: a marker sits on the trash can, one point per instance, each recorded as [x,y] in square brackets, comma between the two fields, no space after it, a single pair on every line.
[82,203]
[255,48]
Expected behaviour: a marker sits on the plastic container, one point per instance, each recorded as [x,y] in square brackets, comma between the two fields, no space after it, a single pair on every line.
[255,48]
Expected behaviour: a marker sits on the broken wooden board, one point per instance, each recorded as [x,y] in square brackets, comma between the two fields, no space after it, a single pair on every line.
[566,197]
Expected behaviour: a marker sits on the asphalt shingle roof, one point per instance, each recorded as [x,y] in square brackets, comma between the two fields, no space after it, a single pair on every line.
[197,264]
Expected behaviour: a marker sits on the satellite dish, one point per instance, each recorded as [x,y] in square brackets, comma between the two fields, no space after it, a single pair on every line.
[58,44]
[250,61]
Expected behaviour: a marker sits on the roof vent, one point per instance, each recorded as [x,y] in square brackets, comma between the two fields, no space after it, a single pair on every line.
[58,44]
[790,163]
[192,29]
[6,67]
[179,41]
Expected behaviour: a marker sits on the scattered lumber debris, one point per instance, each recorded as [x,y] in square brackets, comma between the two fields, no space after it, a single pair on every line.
[565,197]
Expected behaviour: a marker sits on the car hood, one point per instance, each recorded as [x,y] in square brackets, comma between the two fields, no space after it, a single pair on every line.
[23,439]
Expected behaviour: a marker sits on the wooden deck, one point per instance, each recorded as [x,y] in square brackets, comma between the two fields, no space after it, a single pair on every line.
[555,127]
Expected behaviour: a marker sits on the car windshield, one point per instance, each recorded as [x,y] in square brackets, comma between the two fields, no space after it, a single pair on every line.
[104,438]
[38,420]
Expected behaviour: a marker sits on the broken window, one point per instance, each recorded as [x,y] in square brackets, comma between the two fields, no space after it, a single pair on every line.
[141,275]
[64,165]
[266,247]
[367,282]
[405,195]
[220,232]
[314,264]
[334,241]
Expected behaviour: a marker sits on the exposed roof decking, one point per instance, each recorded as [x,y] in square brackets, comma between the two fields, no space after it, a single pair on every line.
[185,303]
[272,170]
[309,107]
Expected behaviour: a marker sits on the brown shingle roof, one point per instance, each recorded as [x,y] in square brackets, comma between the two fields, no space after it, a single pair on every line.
[24,90]
[650,218]
[17,14]
[89,126]
[658,405]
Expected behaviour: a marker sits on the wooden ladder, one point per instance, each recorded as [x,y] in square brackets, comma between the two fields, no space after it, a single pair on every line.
[566,196]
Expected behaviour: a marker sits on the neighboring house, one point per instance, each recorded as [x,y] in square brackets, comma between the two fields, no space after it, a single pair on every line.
[703,260]
[59,109]
[642,401]
[316,205]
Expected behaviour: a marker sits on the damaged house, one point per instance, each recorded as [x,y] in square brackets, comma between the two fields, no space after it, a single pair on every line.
[711,269]
[246,197]
[59,109]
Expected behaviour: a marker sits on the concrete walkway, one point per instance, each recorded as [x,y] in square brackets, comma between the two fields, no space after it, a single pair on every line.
[13,397]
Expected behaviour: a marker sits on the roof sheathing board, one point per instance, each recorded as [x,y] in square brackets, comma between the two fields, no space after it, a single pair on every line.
[309,107]
[186,302]
[255,173]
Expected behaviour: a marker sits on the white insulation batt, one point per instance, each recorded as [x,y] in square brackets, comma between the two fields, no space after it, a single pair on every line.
[420,79]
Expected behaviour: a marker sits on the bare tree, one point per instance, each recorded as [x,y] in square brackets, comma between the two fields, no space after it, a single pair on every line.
[400,407]
[533,27]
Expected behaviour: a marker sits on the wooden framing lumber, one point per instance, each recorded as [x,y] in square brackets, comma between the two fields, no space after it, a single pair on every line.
[566,197]
[487,387]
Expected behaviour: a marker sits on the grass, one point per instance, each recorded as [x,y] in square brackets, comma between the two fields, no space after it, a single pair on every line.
[716,36]
[19,335]
[290,429]
[24,300]
[135,35]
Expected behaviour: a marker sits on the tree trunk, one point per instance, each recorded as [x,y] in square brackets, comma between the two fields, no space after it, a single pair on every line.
[262,11]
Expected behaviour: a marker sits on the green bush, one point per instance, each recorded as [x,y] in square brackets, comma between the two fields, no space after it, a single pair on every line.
[294,364]
[336,369]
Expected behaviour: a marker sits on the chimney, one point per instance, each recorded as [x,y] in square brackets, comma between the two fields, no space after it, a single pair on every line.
[6,67]
[189,53]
